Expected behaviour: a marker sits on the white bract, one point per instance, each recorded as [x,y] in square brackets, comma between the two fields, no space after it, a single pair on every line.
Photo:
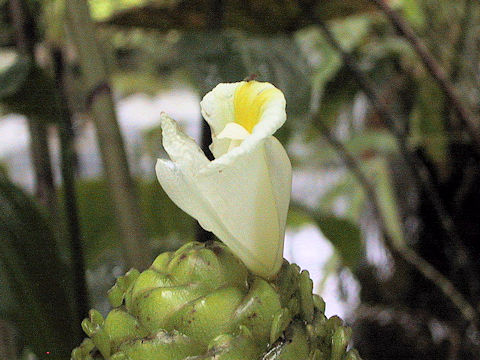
[242,196]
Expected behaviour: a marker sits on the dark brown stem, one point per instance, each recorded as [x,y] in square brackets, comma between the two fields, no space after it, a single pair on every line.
[216,21]
[42,167]
[422,179]
[464,114]
[203,235]
[24,26]
[407,254]
[417,170]
[68,158]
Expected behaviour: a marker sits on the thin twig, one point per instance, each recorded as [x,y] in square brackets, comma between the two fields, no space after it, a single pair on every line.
[461,43]
[435,69]
[456,65]
[415,166]
[419,173]
[411,323]
[410,256]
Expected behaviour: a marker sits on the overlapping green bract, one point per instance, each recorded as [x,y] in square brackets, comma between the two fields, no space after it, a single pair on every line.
[200,302]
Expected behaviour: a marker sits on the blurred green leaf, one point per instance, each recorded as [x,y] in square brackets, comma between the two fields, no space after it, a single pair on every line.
[369,142]
[356,205]
[344,187]
[339,92]
[413,12]
[36,277]
[53,22]
[428,124]
[343,233]
[345,236]
[134,82]
[350,32]
[389,49]
[386,198]
[298,217]
[102,9]
[167,225]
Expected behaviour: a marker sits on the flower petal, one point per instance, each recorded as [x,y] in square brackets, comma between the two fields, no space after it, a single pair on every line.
[181,148]
[185,194]
[242,195]
[250,100]
[182,191]
[227,102]
[230,137]
[233,131]
[280,171]
[217,106]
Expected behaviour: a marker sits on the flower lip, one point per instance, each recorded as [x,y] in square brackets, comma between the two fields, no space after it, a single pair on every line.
[233,131]
[271,118]
[249,101]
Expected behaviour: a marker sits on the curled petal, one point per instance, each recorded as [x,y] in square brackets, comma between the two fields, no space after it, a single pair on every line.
[181,148]
[217,106]
[258,107]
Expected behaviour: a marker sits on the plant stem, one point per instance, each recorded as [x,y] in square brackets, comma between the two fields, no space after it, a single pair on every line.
[40,155]
[101,106]
[24,27]
[70,200]
[410,256]
[202,235]
[415,166]
[39,149]
[422,179]
[216,21]
[461,43]
[464,114]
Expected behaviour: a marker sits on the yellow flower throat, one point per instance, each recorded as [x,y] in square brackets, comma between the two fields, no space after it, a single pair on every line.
[248,102]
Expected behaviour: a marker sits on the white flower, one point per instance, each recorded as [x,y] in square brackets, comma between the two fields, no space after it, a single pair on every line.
[243,195]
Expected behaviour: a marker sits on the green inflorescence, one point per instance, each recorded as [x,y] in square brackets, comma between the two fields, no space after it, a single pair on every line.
[200,302]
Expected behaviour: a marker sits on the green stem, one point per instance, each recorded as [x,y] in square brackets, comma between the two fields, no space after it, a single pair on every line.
[101,106]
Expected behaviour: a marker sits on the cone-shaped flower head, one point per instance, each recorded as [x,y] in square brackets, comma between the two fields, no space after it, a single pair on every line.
[242,196]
